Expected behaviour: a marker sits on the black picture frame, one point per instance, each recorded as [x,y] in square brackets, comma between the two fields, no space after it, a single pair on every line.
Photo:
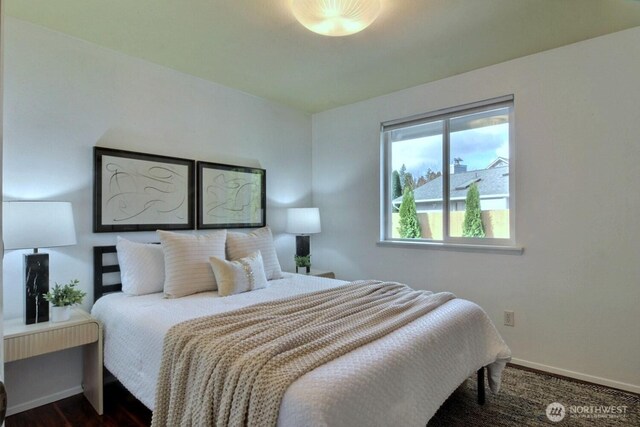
[231,196]
[135,191]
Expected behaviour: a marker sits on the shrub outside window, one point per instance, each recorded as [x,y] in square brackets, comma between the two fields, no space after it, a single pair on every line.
[462,152]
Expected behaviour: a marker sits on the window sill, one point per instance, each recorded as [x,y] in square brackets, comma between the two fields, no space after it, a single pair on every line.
[457,247]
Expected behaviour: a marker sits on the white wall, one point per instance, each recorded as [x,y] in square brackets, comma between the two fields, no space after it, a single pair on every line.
[576,289]
[1,134]
[64,96]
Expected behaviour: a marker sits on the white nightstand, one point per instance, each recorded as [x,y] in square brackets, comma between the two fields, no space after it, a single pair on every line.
[23,341]
[318,273]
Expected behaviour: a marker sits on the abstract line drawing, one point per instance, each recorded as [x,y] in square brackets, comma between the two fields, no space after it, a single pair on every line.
[136,192]
[230,196]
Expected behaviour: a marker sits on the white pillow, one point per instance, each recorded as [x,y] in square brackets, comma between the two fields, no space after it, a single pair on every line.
[240,245]
[141,267]
[186,261]
[241,275]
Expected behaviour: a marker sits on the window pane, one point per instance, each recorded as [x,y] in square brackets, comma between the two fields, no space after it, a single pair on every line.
[416,164]
[479,174]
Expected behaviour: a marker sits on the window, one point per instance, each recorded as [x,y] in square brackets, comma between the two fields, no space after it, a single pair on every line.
[462,152]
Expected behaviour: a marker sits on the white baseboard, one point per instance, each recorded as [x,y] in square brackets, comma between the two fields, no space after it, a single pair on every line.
[21,407]
[578,375]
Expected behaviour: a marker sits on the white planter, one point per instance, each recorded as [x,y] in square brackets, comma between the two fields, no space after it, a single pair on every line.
[60,314]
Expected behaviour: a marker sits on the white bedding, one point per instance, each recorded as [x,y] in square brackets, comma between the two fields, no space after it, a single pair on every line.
[401,379]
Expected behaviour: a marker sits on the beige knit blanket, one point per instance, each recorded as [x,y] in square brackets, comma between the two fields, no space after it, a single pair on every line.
[232,369]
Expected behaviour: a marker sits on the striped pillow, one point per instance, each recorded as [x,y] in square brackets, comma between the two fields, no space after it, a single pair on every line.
[186,261]
[242,275]
[240,245]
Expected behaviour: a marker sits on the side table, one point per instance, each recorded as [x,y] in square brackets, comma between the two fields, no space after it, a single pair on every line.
[23,341]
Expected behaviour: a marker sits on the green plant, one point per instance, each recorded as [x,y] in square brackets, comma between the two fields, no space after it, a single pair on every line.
[396,188]
[472,225]
[63,295]
[302,261]
[409,225]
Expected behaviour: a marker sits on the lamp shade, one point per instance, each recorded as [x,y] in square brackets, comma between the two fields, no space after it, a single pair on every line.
[35,225]
[303,220]
[335,17]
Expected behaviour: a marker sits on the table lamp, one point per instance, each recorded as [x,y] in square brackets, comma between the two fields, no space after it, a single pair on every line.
[37,224]
[303,222]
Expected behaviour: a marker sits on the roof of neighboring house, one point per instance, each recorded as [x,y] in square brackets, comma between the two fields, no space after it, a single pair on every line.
[491,182]
[498,162]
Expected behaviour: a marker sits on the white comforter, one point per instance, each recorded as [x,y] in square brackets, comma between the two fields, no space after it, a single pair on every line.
[401,379]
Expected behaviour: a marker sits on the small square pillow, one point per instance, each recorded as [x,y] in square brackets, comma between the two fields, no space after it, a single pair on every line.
[240,245]
[186,261]
[141,267]
[241,275]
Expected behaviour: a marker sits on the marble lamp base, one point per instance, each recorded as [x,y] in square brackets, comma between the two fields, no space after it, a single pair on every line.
[36,282]
[302,248]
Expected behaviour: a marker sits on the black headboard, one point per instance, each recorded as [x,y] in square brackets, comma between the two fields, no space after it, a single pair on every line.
[100,269]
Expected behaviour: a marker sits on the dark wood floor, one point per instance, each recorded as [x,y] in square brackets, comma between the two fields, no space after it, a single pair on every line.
[120,409]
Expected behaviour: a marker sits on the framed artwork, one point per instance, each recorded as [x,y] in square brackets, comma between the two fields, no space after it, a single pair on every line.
[231,196]
[142,192]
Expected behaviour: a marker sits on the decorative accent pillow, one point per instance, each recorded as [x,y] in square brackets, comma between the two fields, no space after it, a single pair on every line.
[186,261]
[240,245]
[141,267]
[241,275]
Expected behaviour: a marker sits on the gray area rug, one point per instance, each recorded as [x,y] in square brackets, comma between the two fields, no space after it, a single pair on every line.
[525,396]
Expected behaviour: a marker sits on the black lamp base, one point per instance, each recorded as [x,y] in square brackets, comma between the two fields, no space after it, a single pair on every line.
[302,248]
[302,245]
[36,283]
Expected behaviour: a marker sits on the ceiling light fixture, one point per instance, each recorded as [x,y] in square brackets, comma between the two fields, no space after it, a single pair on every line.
[336,17]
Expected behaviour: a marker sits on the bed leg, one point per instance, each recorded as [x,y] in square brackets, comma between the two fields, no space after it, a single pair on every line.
[481,391]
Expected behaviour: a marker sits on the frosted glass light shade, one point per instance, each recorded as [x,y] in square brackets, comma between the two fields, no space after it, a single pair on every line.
[32,225]
[336,17]
[303,220]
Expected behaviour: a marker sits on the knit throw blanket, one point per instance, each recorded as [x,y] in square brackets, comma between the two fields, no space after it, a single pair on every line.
[232,369]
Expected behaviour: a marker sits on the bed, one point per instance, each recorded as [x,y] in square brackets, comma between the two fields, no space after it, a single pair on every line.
[400,379]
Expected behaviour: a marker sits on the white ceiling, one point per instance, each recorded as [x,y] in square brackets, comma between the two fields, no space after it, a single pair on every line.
[258,47]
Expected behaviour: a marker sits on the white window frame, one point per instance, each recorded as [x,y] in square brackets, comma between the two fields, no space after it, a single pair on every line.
[447,242]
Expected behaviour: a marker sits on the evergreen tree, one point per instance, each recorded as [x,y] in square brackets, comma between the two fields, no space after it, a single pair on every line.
[409,225]
[409,182]
[396,187]
[403,174]
[472,225]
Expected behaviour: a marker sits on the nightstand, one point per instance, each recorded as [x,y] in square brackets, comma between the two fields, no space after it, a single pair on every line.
[318,273]
[23,341]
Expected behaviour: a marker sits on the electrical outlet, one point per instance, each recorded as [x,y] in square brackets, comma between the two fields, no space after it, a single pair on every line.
[509,318]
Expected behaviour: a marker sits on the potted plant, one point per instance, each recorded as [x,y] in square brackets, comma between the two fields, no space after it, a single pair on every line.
[303,261]
[62,297]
